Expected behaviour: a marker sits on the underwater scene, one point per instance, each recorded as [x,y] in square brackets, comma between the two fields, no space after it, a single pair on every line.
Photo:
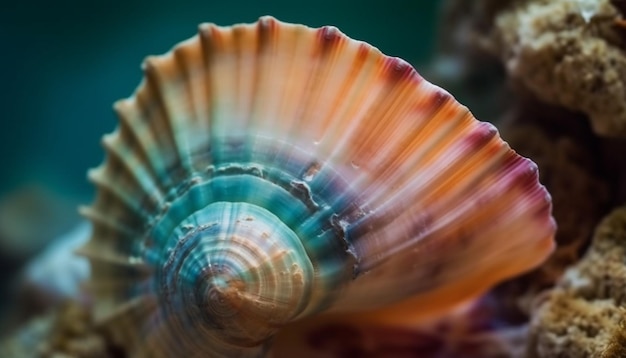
[428,179]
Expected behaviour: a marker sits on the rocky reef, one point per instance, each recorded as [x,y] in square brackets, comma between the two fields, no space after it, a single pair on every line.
[569,54]
[584,315]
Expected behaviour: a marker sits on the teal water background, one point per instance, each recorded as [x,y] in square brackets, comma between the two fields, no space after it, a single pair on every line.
[65,62]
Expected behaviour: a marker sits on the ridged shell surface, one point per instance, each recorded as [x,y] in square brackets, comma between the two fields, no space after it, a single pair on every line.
[268,172]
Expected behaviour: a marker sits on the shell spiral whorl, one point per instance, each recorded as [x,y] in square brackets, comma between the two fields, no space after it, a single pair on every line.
[245,273]
[242,249]
[265,173]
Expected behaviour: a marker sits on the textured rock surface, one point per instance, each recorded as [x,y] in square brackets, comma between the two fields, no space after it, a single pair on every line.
[568,53]
[583,315]
[67,332]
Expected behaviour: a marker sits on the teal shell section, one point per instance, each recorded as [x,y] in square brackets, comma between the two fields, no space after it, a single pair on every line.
[269,172]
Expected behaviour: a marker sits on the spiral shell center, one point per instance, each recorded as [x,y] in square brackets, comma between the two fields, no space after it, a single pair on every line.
[246,271]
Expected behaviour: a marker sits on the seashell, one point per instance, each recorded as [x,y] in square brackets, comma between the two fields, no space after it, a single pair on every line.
[268,172]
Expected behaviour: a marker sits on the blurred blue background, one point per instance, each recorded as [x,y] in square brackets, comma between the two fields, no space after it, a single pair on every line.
[65,62]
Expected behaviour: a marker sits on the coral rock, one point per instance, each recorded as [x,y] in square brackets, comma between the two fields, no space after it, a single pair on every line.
[583,315]
[68,331]
[567,53]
